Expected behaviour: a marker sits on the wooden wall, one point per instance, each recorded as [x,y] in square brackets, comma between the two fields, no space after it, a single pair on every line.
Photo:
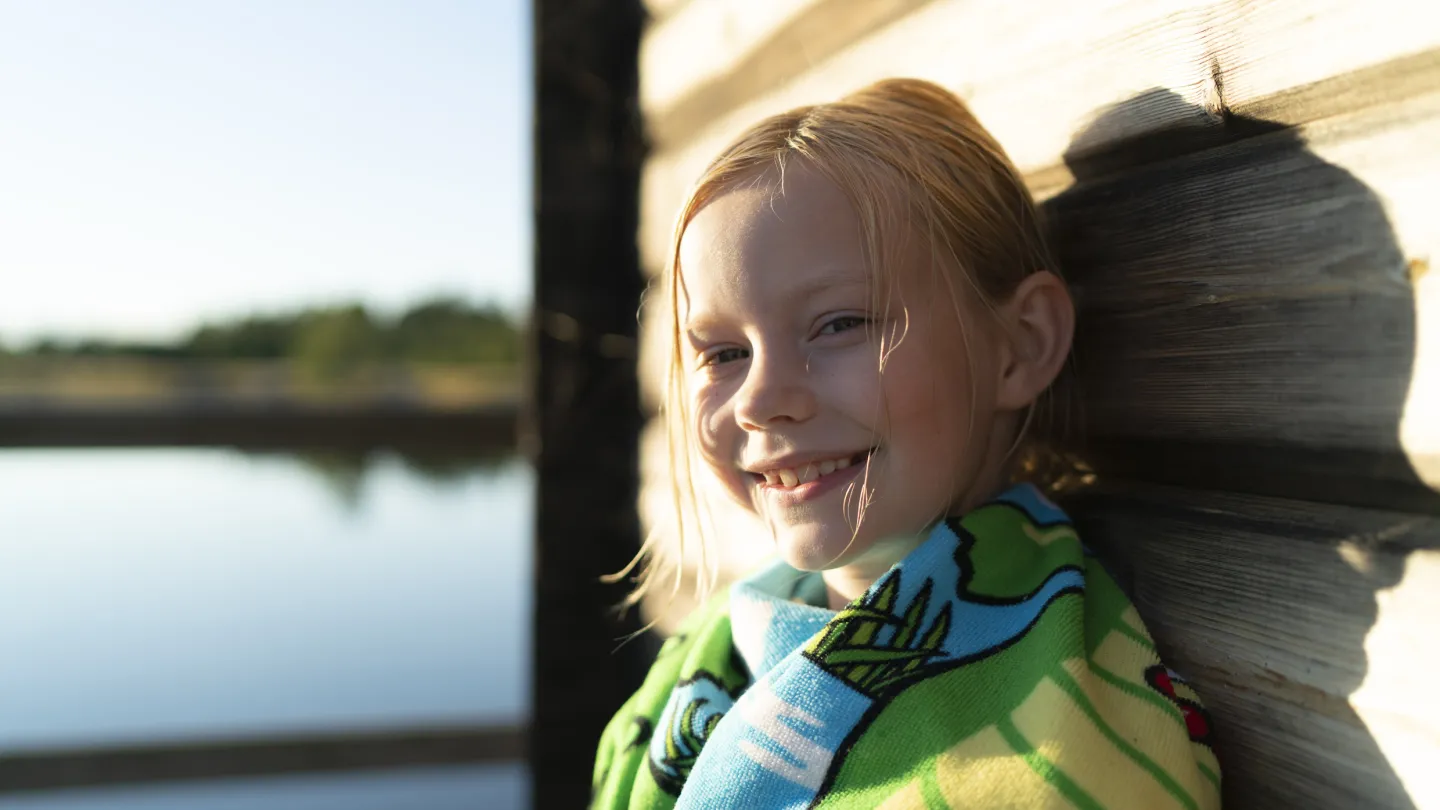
[1244,196]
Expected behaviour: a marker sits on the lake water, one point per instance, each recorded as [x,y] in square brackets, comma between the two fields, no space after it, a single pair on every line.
[164,594]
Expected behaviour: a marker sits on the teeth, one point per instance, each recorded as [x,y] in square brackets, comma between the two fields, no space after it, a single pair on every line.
[805,474]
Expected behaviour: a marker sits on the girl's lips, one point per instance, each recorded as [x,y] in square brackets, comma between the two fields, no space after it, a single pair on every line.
[814,489]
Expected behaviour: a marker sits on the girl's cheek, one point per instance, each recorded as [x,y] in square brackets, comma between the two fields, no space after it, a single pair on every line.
[705,394]
[848,375]
[717,434]
[704,407]
[730,477]
[715,431]
[843,361]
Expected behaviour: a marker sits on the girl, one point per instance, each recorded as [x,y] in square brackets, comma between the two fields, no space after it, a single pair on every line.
[866,329]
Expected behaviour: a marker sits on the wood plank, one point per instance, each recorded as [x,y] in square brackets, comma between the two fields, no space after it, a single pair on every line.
[951,41]
[1259,293]
[1284,615]
[1036,77]
[1264,49]
[700,41]
[719,57]
[364,749]
[716,55]
[1384,480]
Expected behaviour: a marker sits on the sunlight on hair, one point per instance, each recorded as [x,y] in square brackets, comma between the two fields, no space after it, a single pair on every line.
[915,164]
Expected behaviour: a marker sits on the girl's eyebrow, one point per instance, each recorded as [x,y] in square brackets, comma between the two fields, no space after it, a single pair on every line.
[696,330]
[694,339]
[844,284]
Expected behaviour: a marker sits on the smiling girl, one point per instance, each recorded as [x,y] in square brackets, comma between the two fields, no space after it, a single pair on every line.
[867,327]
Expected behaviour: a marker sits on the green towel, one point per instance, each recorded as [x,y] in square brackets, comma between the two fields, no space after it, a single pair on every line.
[998,665]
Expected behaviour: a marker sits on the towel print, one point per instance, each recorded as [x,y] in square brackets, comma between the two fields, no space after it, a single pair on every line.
[997,665]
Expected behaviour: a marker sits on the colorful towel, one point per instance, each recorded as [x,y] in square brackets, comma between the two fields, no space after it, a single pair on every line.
[997,665]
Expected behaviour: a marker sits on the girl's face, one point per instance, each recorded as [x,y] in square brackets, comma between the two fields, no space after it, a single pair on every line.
[782,349]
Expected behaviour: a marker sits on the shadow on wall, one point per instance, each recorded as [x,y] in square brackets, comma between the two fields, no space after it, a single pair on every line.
[1246,326]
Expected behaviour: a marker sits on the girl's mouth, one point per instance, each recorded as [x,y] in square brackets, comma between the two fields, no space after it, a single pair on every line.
[813,478]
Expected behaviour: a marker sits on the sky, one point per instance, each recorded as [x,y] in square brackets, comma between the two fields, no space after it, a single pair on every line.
[163,163]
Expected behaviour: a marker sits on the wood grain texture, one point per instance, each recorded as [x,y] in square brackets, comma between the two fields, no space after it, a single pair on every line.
[1039,77]
[1256,292]
[1269,606]
[716,55]
[719,56]
[701,41]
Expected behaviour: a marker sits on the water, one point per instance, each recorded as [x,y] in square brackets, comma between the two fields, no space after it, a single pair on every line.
[164,594]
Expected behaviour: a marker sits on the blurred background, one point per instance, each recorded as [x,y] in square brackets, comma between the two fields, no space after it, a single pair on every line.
[264,272]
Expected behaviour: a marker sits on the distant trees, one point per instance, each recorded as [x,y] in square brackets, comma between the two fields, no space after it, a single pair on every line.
[257,337]
[331,341]
[335,343]
[448,331]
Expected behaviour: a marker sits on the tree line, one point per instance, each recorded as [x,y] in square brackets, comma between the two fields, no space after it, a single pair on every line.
[330,339]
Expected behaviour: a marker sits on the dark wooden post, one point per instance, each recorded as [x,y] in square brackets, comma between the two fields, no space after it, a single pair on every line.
[586,410]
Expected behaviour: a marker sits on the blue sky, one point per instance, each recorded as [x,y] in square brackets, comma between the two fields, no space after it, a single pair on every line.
[165,162]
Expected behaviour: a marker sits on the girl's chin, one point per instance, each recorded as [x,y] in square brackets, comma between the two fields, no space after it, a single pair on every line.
[808,551]
[812,551]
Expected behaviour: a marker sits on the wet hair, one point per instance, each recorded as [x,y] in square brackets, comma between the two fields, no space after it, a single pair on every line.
[913,162]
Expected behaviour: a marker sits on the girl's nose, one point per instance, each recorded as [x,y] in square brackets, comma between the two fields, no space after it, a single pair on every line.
[776,390]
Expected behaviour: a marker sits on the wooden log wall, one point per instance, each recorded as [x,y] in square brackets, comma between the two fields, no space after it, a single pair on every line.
[1243,196]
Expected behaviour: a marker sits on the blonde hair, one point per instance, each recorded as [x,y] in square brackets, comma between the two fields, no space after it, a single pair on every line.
[912,159]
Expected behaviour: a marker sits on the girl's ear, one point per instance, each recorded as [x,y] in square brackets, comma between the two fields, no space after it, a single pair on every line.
[1040,321]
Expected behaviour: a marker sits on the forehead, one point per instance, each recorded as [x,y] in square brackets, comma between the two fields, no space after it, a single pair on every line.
[761,244]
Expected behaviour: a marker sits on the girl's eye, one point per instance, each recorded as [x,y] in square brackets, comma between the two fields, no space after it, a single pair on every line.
[842,324]
[726,355]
